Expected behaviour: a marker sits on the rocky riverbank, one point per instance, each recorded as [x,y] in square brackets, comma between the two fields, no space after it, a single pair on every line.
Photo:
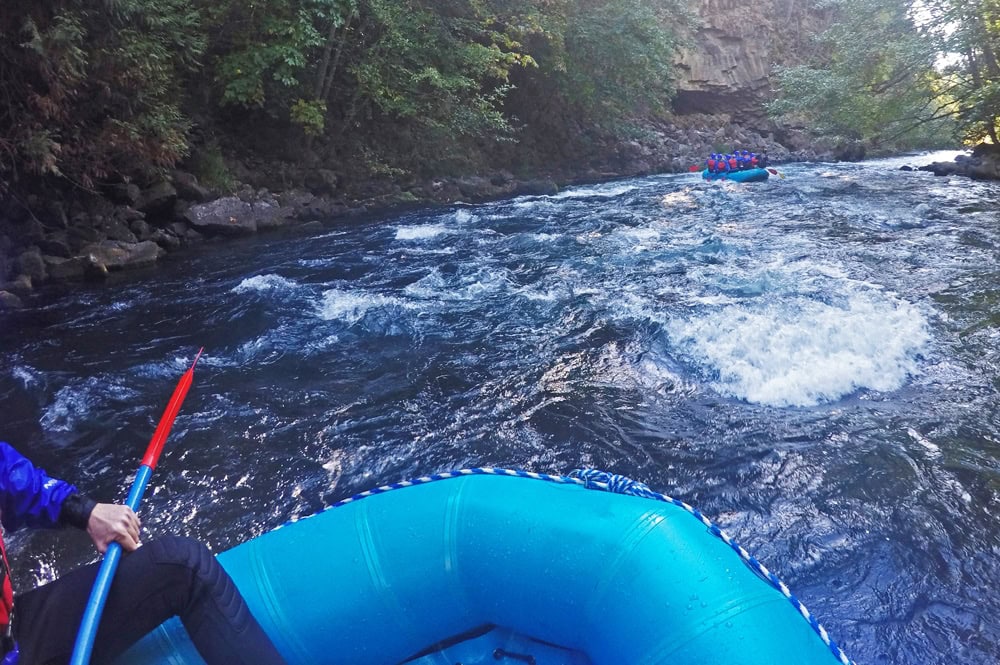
[86,237]
[982,164]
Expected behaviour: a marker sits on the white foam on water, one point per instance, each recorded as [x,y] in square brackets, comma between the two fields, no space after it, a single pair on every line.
[641,234]
[712,300]
[423,251]
[25,375]
[428,287]
[528,202]
[484,282]
[256,350]
[435,286]
[681,200]
[420,232]
[604,191]
[77,401]
[932,448]
[801,352]
[261,283]
[544,295]
[316,263]
[560,285]
[351,306]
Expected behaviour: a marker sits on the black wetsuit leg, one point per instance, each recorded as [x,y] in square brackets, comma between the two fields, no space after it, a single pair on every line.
[166,577]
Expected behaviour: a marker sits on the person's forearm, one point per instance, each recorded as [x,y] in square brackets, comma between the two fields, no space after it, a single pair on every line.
[76,510]
[28,495]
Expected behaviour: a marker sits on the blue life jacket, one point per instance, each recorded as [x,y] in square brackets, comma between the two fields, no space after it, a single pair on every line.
[28,497]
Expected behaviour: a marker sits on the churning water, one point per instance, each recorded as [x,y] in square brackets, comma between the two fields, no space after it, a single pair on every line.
[813,361]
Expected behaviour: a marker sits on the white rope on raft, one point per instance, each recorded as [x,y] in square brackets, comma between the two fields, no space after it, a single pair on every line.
[610,482]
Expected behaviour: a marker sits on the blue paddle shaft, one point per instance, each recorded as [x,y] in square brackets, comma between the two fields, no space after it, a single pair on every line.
[102,584]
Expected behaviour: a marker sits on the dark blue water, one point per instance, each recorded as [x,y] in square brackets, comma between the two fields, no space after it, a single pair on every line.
[812,361]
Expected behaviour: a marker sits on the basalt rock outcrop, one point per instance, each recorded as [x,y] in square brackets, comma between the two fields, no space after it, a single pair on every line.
[734,51]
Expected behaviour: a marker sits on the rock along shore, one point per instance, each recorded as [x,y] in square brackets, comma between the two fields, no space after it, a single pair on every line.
[126,227]
[982,164]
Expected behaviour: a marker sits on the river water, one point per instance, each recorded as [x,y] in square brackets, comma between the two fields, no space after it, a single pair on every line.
[813,361]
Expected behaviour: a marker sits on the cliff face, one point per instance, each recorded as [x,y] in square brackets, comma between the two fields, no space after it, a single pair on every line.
[736,47]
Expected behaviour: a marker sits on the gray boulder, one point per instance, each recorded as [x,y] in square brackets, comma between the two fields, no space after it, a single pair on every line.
[322,181]
[157,200]
[476,188]
[9,301]
[315,226]
[986,169]
[29,231]
[234,216]
[124,193]
[188,188]
[56,245]
[81,236]
[942,168]
[141,229]
[165,239]
[118,255]
[537,188]
[129,215]
[30,263]
[270,214]
[228,216]
[21,286]
[116,229]
[78,267]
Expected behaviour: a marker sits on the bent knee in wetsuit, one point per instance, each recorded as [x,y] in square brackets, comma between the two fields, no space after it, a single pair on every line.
[169,576]
[197,583]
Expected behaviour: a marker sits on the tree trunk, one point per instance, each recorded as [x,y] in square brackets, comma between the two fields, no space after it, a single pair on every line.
[328,83]
[325,63]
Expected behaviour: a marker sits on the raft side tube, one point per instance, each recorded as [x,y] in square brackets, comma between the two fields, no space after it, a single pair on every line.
[613,578]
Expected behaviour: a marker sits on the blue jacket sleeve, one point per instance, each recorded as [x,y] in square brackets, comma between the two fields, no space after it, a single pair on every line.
[28,496]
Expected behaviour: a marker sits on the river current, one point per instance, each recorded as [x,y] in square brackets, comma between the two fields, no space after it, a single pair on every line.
[813,362]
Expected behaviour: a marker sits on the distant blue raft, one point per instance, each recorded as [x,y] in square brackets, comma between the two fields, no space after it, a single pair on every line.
[750,175]
[497,566]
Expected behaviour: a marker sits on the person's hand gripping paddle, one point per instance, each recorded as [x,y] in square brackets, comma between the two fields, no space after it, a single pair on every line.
[102,584]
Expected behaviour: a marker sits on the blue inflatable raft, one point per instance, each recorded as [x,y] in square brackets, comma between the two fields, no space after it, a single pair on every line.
[515,568]
[750,175]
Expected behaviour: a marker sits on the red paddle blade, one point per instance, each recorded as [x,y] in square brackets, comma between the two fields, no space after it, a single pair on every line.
[167,420]
[694,168]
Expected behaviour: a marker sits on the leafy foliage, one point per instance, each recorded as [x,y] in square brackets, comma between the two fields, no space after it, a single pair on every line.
[969,32]
[441,72]
[311,116]
[617,56]
[106,91]
[879,79]
[272,47]
[92,91]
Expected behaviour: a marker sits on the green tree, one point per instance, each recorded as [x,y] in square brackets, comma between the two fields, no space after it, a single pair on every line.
[616,58]
[99,91]
[969,33]
[876,79]
[91,89]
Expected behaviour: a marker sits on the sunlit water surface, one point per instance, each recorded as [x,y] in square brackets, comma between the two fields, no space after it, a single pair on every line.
[812,361]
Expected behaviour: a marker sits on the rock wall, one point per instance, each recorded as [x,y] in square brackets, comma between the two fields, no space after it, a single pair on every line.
[735,49]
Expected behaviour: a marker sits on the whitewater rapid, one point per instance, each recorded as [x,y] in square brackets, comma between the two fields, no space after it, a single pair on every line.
[812,361]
